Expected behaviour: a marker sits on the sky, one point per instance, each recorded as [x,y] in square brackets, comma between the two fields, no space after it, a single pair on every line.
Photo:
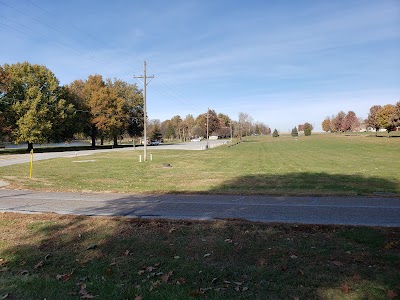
[282,62]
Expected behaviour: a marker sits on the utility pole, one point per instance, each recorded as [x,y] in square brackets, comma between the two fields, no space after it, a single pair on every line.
[230,123]
[144,77]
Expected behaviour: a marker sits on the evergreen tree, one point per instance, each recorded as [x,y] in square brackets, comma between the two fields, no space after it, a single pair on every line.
[295,133]
[275,133]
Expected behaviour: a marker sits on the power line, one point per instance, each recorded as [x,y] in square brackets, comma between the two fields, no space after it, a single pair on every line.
[124,69]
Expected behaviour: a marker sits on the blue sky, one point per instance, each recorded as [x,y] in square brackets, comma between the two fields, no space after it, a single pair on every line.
[282,62]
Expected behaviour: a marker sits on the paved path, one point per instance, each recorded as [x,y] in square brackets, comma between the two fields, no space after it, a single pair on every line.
[308,210]
[7,160]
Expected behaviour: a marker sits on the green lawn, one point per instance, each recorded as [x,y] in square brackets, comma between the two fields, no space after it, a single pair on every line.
[325,164]
[66,257]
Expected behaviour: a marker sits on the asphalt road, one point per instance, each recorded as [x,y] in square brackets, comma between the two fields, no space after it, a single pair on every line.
[307,210]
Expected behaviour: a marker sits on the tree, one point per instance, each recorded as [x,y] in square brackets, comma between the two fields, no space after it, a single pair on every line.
[213,121]
[300,127]
[83,92]
[384,117]
[189,123]
[295,133]
[154,129]
[108,108]
[133,110]
[245,124]
[109,113]
[350,122]
[176,122]
[307,129]
[275,133]
[261,129]
[167,129]
[4,105]
[337,121]
[396,115]
[371,119]
[35,102]
[326,124]
[224,120]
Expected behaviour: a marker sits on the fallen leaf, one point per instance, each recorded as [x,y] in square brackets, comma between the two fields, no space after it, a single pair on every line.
[84,294]
[155,285]
[181,281]
[207,255]
[172,230]
[126,252]
[177,257]
[245,288]
[39,264]
[345,288]
[47,257]
[138,297]
[150,269]
[165,277]
[238,283]
[293,256]
[91,247]
[203,290]
[356,277]
[196,293]
[228,241]
[389,245]
[337,263]
[5,296]
[63,277]
[214,280]
[141,272]
[237,288]
[25,272]
[391,294]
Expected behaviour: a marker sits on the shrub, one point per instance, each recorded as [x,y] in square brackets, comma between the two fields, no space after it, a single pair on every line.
[275,133]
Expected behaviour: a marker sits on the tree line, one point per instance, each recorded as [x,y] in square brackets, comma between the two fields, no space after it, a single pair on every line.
[35,108]
[220,125]
[379,117]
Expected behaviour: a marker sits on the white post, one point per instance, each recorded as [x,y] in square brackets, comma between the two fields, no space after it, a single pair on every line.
[140,158]
[151,156]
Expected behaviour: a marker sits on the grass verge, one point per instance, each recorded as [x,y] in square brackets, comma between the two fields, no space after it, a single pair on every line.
[65,257]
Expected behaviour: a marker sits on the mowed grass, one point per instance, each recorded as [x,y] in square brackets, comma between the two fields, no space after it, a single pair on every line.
[317,165]
[65,257]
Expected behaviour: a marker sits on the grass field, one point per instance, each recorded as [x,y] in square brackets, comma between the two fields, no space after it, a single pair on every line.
[66,257]
[315,165]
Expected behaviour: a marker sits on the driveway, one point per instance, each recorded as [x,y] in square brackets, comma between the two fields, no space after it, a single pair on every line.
[307,210]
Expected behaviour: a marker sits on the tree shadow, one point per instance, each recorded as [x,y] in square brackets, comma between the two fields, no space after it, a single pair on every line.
[307,183]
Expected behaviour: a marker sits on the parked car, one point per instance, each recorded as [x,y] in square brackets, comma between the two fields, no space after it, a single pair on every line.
[154,143]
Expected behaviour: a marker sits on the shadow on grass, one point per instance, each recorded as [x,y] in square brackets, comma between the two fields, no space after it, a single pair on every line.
[65,257]
[304,183]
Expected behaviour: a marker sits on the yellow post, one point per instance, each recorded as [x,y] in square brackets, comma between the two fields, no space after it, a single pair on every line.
[30,169]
